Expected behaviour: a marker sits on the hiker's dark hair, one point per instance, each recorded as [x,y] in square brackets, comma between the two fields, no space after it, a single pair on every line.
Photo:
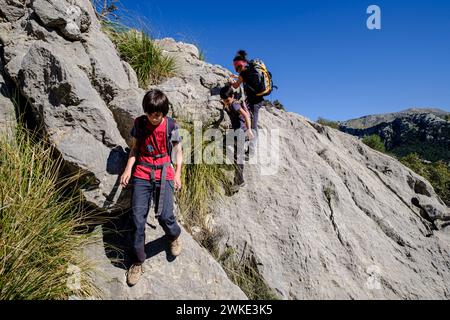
[226,92]
[241,55]
[155,101]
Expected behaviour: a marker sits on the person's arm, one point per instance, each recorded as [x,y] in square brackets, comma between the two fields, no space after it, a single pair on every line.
[125,178]
[236,84]
[248,123]
[178,165]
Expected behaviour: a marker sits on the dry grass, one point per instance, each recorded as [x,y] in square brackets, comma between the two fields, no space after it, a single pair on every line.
[42,224]
[146,58]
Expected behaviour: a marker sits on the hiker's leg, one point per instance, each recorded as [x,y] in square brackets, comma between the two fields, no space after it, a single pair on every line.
[167,218]
[142,193]
[239,159]
[254,108]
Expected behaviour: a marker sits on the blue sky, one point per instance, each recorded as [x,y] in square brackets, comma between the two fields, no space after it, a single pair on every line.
[323,58]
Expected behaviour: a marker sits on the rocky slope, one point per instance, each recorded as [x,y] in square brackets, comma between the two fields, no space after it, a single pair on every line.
[423,131]
[334,219]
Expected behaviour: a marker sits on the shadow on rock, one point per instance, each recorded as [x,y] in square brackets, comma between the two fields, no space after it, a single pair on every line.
[115,165]
[117,231]
[117,240]
[155,247]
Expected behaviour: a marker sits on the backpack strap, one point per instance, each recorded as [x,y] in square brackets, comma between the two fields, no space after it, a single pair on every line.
[170,126]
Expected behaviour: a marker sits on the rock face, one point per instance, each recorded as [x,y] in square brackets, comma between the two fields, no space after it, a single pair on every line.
[7,110]
[422,131]
[337,221]
[65,83]
[324,217]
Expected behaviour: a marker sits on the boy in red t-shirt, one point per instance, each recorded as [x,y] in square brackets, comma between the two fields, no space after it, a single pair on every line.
[154,137]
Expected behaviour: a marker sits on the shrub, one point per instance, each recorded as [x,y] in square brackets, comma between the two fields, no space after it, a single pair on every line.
[437,173]
[145,57]
[374,141]
[41,223]
[328,123]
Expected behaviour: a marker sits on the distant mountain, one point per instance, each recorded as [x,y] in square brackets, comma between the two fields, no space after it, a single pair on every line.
[424,131]
[376,119]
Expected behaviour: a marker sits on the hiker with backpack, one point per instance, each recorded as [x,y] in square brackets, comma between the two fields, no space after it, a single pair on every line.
[150,172]
[257,81]
[241,124]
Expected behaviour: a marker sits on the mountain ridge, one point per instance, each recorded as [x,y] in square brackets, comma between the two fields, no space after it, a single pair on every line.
[371,120]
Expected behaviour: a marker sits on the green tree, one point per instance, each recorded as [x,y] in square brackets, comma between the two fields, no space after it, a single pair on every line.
[374,141]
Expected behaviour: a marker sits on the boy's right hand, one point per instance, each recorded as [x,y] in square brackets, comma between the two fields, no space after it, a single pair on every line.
[125,178]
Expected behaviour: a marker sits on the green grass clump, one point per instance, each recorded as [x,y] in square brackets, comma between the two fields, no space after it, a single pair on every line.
[242,271]
[201,55]
[437,173]
[146,58]
[328,123]
[374,141]
[42,227]
[203,185]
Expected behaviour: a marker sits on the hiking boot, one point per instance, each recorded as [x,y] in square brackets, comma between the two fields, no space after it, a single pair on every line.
[134,273]
[175,247]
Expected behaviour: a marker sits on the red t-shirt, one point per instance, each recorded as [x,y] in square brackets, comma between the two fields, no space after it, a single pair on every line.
[154,143]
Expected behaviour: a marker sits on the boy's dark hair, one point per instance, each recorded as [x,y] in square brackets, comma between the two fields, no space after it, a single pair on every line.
[155,101]
[226,92]
[241,55]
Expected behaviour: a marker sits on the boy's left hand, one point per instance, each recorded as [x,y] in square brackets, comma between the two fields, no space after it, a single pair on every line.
[250,134]
[177,182]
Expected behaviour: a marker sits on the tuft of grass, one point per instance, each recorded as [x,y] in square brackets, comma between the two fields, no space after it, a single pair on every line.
[374,141]
[203,185]
[328,123]
[201,55]
[242,271]
[42,224]
[137,48]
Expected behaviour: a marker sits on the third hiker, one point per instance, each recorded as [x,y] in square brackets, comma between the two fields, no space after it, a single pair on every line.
[242,130]
[257,81]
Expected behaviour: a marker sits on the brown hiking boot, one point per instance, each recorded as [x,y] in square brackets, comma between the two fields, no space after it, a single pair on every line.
[175,247]
[134,273]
